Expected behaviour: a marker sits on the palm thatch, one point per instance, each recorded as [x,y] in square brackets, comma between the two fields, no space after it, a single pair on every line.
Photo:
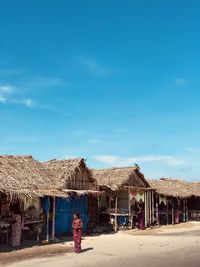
[22,175]
[195,189]
[72,174]
[117,178]
[175,187]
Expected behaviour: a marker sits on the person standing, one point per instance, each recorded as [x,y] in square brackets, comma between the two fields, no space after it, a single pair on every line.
[141,217]
[77,226]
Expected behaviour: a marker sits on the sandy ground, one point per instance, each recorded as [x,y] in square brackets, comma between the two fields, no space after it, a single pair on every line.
[177,245]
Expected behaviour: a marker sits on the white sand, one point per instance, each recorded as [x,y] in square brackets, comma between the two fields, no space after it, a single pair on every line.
[167,246]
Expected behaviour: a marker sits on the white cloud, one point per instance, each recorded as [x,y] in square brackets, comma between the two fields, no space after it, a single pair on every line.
[7,93]
[107,159]
[70,156]
[125,161]
[28,103]
[193,150]
[7,89]
[179,81]
[95,67]
[2,99]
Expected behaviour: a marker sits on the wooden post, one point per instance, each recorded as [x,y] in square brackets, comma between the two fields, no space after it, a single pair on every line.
[129,205]
[110,208]
[146,208]
[157,214]
[54,217]
[150,210]
[153,217]
[152,207]
[172,212]
[186,209]
[167,210]
[116,214]
[47,234]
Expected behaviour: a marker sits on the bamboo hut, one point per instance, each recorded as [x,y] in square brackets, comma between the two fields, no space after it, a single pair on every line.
[23,183]
[124,188]
[74,178]
[172,199]
[193,202]
[22,176]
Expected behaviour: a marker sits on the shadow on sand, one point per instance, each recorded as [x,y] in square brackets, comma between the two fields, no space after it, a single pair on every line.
[86,249]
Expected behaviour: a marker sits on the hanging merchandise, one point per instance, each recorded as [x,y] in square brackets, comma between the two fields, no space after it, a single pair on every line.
[140,196]
[132,195]
[162,199]
[132,198]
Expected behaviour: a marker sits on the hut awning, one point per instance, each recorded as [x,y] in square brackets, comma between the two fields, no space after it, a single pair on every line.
[175,187]
[27,193]
[117,178]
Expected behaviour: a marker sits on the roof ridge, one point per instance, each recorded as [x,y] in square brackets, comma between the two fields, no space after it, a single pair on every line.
[116,168]
[59,160]
[16,156]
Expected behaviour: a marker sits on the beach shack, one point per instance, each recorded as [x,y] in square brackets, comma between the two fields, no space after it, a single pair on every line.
[172,200]
[73,178]
[193,202]
[24,182]
[127,196]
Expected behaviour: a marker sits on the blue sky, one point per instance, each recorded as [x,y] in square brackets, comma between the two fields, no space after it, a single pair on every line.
[115,82]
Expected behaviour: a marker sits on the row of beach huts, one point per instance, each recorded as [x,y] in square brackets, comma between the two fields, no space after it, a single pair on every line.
[47,194]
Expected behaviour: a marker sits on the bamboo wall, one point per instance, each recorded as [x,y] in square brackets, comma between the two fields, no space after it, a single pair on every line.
[81,180]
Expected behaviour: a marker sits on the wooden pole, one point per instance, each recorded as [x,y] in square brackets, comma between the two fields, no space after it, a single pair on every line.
[54,217]
[129,205]
[172,212]
[110,208]
[150,210]
[146,209]
[153,217]
[167,210]
[157,214]
[47,234]
[147,199]
[186,210]
[183,210]
[116,214]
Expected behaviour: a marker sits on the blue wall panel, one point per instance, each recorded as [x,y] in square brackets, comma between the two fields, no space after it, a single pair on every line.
[65,209]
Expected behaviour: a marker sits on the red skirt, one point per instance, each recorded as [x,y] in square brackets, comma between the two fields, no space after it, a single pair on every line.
[77,234]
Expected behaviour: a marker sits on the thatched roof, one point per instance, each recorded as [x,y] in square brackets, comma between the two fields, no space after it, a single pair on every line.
[71,174]
[22,175]
[116,178]
[175,187]
[195,189]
